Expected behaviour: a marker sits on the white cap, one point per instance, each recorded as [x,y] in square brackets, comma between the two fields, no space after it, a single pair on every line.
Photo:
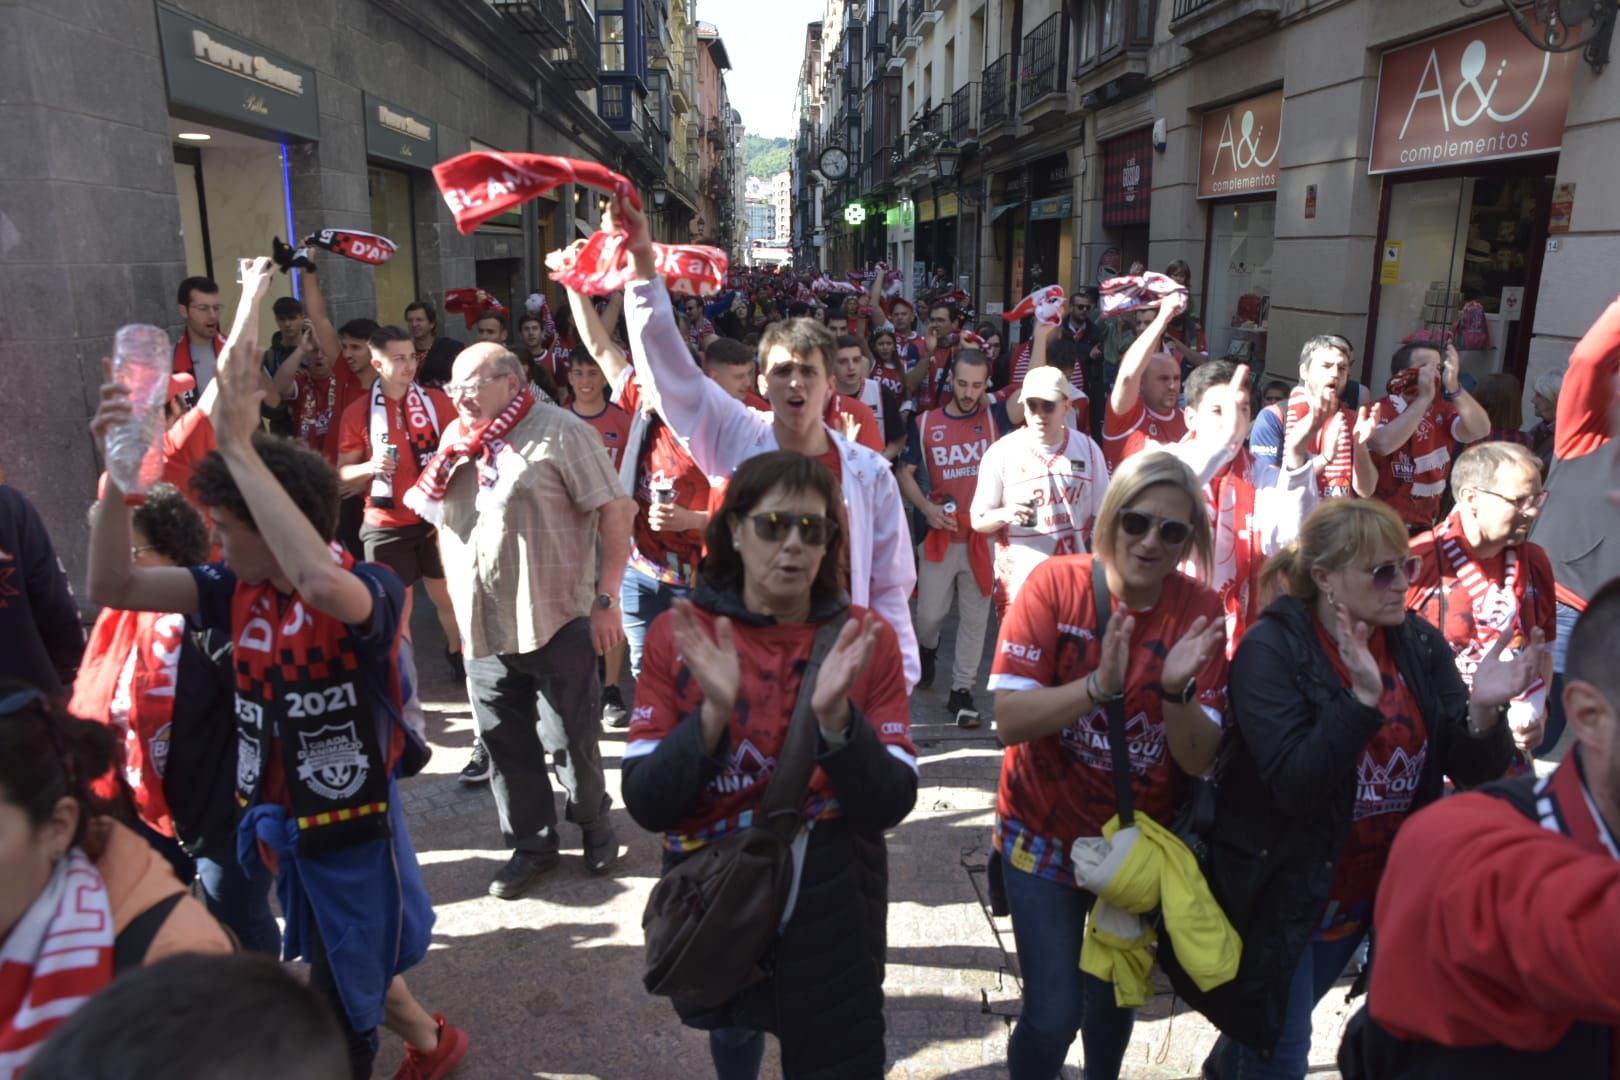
[1048,383]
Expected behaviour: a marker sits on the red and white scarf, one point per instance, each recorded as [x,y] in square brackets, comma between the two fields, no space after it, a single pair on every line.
[1230,498]
[314,421]
[128,681]
[421,430]
[58,956]
[485,446]
[1334,443]
[1495,608]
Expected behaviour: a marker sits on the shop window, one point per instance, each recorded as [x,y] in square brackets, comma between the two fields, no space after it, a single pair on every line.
[1456,240]
[1239,286]
[391,217]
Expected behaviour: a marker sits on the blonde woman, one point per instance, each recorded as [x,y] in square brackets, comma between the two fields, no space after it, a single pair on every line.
[1054,677]
[1348,713]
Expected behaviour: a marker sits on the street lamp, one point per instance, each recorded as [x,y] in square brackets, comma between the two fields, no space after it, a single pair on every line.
[1564,25]
[947,158]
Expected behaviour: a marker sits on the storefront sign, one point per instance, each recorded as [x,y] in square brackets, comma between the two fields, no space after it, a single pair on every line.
[1128,179]
[398,135]
[225,76]
[1481,93]
[1241,147]
[1563,208]
[1051,209]
[1391,272]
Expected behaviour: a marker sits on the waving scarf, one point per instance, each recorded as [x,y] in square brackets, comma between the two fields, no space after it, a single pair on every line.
[483,446]
[1133,291]
[58,956]
[472,304]
[1045,304]
[483,184]
[128,682]
[367,247]
[603,264]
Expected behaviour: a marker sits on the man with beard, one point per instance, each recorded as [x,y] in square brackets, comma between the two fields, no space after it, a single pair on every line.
[1423,419]
[434,354]
[197,352]
[1142,405]
[954,561]
[1344,465]
[1039,488]
[1482,580]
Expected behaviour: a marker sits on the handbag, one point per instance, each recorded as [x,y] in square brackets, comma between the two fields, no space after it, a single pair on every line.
[1196,814]
[711,920]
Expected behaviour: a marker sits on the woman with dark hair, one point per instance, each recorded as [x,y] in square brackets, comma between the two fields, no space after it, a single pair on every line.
[1055,677]
[1502,397]
[888,366]
[82,897]
[720,679]
[1349,715]
[166,690]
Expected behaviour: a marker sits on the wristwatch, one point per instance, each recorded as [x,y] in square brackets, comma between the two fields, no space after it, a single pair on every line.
[604,600]
[1188,692]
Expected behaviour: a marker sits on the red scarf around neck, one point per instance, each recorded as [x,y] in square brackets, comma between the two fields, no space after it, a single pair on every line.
[483,446]
[1231,498]
[1333,440]
[128,681]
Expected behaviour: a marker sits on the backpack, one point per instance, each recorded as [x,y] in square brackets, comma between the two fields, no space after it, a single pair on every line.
[1472,331]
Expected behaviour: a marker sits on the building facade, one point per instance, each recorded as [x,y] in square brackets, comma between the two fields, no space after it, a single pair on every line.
[172,139]
[1321,166]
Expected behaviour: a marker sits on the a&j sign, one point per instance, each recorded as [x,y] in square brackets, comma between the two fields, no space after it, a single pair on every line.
[1481,93]
[1242,147]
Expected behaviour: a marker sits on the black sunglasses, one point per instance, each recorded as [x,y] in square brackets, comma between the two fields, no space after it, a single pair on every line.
[1384,576]
[1135,523]
[814,529]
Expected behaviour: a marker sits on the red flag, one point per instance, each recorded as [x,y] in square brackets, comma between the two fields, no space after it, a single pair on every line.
[483,184]
[602,265]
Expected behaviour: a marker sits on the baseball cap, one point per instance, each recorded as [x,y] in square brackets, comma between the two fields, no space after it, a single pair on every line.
[180,383]
[1047,383]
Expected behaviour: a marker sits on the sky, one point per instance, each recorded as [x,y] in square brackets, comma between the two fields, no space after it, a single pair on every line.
[765,42]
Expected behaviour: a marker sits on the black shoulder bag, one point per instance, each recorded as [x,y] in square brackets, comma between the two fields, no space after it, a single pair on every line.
[712,919]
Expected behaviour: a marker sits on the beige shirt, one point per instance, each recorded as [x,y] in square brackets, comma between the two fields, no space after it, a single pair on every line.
[518,575]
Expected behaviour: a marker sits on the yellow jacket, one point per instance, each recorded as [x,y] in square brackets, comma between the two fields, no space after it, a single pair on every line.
[1135,872]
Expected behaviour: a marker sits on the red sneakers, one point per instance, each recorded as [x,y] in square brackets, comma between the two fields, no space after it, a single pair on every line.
[422,1065]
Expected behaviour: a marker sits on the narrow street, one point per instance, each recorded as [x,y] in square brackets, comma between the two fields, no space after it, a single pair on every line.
[550,985]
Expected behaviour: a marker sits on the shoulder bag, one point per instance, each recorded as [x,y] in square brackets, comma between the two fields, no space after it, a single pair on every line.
[712,919]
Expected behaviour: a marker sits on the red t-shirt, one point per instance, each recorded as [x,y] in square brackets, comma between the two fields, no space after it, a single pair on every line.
[952,447]
[892,378]
[1060,787]
[317,410]
[929,392]
[665,462]
[771,662]
[1387,774]
[355,438]
[841,405]
[187,441]
[1128,434]
[1439,597]
[612,424]
[1412,480]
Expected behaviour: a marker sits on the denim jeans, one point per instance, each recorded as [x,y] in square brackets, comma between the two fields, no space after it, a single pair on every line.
[641,600]
[241,902]
[1319,967]
[737,1053]
[1049,922]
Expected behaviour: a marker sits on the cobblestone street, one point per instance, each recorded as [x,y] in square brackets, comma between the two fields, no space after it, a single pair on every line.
[550,985]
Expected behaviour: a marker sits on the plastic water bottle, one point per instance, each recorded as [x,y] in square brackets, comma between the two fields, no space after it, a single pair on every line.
[142,357]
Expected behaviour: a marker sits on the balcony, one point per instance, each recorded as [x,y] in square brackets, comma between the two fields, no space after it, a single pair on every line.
[996,103]
[1206,26]
[925,12]
[910,34]
[544,20]
[1041,74]
[964,128]
[578,60]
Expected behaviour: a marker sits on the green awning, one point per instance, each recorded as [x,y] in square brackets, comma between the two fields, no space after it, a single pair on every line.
[1003,208]
[1051,209]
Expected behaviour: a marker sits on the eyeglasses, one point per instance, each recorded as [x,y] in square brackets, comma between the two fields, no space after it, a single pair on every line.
[814,529]
[1407,569]
[468,389]
[1172,532]
[1523,504]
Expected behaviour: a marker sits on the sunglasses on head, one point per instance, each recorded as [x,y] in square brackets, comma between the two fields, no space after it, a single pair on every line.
[814,529]
[1384,576]
[1136,523]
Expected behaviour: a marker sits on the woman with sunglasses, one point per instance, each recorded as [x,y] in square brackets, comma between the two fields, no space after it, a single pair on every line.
[1054,678]
[719,682]
[82,896]
[1349,715]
